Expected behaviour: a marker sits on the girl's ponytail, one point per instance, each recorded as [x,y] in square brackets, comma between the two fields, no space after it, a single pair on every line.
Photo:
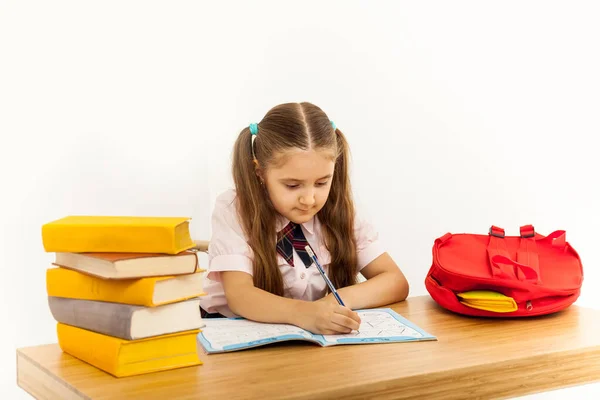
[337,218]
[256,214]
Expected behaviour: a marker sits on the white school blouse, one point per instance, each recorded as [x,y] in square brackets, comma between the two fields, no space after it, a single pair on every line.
[229,251]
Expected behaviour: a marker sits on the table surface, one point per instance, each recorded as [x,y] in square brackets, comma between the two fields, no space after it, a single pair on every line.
[472,357]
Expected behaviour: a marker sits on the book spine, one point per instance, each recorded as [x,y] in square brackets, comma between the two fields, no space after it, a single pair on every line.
[112,239]
[111,319]
[63,282]
[99,350]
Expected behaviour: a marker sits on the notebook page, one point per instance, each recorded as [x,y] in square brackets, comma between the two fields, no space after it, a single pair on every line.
[229,334]
[380,325]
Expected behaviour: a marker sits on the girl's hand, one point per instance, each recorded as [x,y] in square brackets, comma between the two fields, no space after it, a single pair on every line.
[327,318]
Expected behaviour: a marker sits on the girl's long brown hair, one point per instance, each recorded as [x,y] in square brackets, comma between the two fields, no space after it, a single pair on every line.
[284,127]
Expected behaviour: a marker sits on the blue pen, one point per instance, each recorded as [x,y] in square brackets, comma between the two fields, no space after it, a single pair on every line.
[320,268]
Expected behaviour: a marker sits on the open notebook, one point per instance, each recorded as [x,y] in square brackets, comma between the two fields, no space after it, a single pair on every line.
[380,325]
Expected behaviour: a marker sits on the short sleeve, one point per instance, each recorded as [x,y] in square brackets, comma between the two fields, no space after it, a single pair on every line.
[368,246]
[228,249]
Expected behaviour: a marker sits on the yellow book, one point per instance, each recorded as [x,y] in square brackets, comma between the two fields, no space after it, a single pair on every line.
[80,234]
[120,357]
[488,300]
[149,291]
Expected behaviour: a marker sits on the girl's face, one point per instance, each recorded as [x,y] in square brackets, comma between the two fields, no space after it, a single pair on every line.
[298,182]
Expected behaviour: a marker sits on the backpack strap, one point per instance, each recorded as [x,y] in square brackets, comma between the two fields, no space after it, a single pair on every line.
[497,247]
[527,253]
[502,265]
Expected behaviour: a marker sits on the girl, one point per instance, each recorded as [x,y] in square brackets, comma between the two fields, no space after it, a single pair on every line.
[292,189]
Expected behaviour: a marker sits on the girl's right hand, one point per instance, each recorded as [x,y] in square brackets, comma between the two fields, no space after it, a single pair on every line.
[326,318]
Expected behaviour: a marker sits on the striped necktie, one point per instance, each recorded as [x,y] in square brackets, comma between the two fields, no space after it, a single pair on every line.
[292,238]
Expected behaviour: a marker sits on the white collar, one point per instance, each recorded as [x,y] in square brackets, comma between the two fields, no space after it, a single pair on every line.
[308,225]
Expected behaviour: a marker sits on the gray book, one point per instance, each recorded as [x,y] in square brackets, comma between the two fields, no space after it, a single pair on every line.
[127,321]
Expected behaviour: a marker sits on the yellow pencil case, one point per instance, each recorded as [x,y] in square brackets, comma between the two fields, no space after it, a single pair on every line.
[488,300]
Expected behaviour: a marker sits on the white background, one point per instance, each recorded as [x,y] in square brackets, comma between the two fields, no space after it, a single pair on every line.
[459,115]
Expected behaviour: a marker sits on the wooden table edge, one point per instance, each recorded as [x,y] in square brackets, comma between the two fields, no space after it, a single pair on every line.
[544,372]
[499,380]
[41,383]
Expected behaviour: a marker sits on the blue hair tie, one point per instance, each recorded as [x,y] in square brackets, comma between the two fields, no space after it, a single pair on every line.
[333,125]
[253,129]
[253,132]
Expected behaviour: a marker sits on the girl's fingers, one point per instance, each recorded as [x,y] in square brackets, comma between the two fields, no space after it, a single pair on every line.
[345,322]
[348,313]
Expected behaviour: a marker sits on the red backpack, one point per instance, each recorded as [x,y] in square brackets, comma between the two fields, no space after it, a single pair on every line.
[543,274]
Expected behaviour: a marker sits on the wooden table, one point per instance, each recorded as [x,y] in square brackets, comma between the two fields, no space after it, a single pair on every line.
[472,358]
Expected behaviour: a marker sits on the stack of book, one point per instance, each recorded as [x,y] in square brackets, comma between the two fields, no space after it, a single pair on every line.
[125,291]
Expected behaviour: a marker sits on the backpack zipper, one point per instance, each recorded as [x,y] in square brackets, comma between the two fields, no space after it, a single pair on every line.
[529,307]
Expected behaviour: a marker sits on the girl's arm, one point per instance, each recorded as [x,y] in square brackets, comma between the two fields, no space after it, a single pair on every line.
[385,284]
[250,302]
